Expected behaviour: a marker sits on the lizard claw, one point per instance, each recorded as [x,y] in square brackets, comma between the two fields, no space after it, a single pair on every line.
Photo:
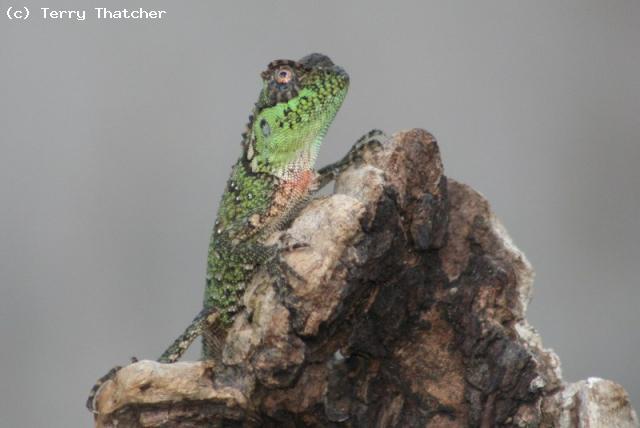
[280,269]
[287,243]
[371,141]
[277,267]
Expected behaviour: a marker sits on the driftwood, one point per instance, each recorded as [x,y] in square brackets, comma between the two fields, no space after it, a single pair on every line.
[411,314]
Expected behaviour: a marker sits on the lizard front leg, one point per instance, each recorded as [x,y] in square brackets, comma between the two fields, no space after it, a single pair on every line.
[372,140]
[271,255]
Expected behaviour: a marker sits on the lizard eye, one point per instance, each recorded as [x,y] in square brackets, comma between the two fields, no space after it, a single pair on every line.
[283,75]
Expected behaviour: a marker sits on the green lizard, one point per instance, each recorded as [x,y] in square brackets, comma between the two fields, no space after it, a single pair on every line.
[270,182]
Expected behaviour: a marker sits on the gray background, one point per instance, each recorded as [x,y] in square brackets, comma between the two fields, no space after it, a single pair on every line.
[117,138]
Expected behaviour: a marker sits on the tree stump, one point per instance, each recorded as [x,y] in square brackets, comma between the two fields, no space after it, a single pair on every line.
[411,313]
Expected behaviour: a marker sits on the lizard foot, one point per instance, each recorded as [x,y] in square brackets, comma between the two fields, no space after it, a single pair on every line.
[370,142]
[280,269]
[277,266]
[287,243]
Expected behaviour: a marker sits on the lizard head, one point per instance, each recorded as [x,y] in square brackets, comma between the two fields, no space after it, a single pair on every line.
[298,102]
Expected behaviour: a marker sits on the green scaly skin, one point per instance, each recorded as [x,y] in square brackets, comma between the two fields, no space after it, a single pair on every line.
[271,180]
[280,149]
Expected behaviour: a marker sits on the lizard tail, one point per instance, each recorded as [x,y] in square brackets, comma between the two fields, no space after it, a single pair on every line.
[91,404]
[91,400]
[203,324]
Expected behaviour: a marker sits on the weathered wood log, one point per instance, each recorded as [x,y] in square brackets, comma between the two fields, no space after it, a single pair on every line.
[411,314]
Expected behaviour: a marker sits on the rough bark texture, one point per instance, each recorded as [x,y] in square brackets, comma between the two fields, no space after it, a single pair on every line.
[411,314]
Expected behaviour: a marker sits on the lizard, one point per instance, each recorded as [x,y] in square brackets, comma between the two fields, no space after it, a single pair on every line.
[271,181]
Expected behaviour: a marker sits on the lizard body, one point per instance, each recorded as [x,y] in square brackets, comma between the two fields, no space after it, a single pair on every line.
[271,180]
[272,177]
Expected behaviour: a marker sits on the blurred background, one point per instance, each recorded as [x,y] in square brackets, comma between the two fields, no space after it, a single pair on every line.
[118,136]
